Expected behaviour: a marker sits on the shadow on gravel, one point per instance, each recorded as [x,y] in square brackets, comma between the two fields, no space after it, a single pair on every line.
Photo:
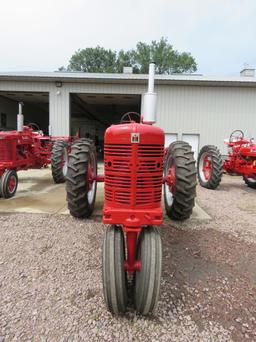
[211,277]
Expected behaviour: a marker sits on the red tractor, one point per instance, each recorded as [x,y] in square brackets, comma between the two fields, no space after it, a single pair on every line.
[29,149]
[136,166]
[241,160]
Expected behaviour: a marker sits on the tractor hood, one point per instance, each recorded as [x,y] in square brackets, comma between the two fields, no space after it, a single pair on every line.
[248,151]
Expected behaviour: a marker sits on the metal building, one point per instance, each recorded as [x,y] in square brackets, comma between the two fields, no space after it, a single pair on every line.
[199,109]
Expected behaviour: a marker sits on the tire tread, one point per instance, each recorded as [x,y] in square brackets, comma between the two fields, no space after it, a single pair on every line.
[184,197]
[216,174]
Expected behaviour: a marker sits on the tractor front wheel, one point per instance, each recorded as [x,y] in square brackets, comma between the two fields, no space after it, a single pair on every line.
[80,183]
[8,184]
[113,272]
[209,167]
[180,184]
[59,161]
[251,182]
[147,279]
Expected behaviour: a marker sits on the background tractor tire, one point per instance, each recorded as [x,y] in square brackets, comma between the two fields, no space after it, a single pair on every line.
[213,154]
[250,182]
[180,200]
[8,184]
[59,161]
[113,272]
[147,280]
[80,194]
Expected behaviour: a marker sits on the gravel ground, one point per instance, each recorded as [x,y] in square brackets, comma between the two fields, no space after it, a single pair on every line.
[50,277]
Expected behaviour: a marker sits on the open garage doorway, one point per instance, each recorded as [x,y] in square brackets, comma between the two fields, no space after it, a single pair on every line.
[35,109]
[91,114]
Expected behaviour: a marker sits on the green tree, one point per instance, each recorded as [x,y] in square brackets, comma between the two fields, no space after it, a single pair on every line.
[167,59]
[124,58]
[93,60]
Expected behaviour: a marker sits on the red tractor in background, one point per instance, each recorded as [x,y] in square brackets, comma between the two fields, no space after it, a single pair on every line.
[29,149]
[241,160]
[136,167]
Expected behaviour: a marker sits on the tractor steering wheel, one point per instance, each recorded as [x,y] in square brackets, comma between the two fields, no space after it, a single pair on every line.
[236,135]
[130,116]
[33,126]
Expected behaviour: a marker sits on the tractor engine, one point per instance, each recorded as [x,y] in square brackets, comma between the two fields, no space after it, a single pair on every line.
[133,162]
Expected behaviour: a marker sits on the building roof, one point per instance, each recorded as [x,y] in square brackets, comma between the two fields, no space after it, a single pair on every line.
[185,79]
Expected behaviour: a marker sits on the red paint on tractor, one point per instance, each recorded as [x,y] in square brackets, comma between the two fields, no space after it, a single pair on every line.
[207,167]
[133,174]
[171,179]
[131,264]
[12,184]
[133,162]
[25,150]
[241,157]
[241,160]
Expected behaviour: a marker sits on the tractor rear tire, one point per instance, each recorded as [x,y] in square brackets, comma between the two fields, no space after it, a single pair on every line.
[180,200]
[147,279]
[59,161]
[8,184]
[212,180]
[250,182]
[80,194]
[113,272]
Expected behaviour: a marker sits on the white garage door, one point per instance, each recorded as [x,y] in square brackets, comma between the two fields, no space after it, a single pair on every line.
[193,140]
[169,138]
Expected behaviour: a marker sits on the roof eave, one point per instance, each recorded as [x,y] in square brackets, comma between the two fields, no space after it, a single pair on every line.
[132,79]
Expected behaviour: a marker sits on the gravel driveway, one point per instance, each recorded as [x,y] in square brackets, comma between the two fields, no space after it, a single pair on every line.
[50,277]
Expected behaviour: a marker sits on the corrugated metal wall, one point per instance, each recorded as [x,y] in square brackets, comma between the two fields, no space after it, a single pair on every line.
[210,111]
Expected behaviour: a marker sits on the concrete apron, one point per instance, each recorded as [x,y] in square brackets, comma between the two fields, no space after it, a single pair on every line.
[37,193]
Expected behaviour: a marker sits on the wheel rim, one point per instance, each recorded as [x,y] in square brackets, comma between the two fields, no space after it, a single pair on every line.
[205,167]
[170,184]
[12,183]
[65,162]
[91,182]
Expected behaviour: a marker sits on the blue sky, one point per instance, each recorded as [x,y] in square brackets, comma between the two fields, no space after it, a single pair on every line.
[42,35]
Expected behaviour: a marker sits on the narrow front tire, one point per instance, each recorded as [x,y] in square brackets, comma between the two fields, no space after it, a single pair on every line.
[147,279]
[113,272]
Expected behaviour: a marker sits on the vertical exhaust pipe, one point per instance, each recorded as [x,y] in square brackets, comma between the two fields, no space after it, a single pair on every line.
[20,118]
[149,99]
[151,78]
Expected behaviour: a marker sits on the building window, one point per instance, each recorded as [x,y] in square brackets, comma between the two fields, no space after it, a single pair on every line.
[3,120]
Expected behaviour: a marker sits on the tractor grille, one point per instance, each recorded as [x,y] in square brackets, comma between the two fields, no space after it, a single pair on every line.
[150,174]
[150,151]
[6,150]
[133,175]
[118,151]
